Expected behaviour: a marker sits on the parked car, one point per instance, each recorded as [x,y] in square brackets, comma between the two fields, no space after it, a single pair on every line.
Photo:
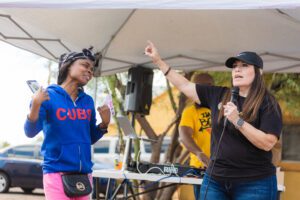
[106,150]
[20,166]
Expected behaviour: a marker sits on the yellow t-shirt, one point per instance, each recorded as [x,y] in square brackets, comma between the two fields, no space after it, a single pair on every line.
[199,119]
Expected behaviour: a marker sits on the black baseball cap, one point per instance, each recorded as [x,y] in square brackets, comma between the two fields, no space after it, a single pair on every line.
[248,57]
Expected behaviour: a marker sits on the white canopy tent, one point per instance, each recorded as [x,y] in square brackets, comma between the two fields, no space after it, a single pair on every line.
[189,34]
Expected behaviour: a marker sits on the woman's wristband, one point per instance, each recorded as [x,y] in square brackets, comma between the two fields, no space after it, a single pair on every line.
[167,72]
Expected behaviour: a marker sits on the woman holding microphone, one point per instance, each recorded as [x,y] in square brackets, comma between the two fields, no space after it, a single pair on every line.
[243,168]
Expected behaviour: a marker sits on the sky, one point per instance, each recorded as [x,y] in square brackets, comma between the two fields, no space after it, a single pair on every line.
[18,66]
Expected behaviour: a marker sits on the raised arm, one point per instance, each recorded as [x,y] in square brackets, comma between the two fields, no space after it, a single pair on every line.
[179,81]
[33,124]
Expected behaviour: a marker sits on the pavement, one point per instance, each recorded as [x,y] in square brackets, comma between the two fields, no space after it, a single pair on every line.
[17,194]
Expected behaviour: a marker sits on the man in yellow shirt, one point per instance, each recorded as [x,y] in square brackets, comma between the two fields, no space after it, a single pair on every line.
[195,129]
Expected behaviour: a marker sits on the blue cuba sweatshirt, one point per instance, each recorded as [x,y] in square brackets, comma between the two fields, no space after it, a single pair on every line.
[69,130]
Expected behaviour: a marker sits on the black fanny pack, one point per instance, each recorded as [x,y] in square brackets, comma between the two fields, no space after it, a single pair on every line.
[76,185]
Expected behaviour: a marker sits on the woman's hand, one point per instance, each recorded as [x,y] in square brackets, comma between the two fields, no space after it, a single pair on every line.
[37,99]
[152,52]
[231,112]
[104,113]
[40,96]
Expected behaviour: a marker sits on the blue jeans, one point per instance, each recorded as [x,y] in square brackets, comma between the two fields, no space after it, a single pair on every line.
[197,189]
[262,189]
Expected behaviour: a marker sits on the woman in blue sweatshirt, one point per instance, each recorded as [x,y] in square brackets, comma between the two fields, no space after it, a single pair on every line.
[67,116]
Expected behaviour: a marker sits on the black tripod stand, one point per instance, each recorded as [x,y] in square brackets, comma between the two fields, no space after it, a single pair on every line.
[127,159]
[125,183]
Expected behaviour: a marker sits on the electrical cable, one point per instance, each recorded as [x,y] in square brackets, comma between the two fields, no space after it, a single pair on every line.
[189,172]
[214,161]
[137,167]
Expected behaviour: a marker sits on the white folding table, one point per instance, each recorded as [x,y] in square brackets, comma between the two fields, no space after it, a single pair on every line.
[127,175]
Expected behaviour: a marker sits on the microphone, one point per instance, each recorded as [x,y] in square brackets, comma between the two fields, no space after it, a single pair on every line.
[234,95]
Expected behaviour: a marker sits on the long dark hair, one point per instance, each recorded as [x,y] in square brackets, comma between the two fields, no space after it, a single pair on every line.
[63,72]
[257,93]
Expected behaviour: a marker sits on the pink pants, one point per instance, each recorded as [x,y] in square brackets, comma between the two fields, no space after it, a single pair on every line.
[53,188]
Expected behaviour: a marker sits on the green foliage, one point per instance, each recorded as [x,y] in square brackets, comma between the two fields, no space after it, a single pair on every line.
[40,138]
[4,144]
[52,71]
[284,86]
[221,78]
[117,90]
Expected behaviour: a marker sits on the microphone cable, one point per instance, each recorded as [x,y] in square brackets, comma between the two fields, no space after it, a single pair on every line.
[234,96]
[214,161]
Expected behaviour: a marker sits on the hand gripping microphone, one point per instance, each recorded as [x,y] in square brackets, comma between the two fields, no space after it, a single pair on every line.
[233,99]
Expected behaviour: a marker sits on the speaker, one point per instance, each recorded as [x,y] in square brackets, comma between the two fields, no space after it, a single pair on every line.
[138,96]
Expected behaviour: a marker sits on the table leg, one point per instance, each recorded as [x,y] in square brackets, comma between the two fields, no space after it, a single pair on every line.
[107,190]
[132,192]
[117,190]
[125,189]
[97,188]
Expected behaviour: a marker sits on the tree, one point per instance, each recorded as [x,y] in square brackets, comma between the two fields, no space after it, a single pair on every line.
[117,90]
[5,144]
[285,87]
[174,150]
[100,87]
